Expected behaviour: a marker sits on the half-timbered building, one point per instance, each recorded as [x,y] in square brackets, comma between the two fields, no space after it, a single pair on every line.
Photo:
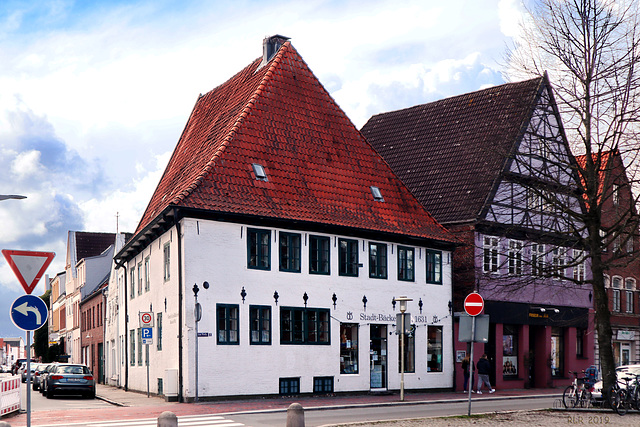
[494,167]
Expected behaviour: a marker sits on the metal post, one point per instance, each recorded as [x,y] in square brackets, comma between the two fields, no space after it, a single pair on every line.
[28,378]
[470,385]
[402,359]
[147,354]
[196,399]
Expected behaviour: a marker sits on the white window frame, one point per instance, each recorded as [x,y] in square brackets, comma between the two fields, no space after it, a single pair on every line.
[166,251]
[616,300]
[490,252]
[578,268]
[538,261]
[515,257]
[559,263]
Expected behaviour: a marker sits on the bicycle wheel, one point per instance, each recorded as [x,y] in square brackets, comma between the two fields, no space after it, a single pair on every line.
[569,397]
[613,397]
[623,403]
[585,399]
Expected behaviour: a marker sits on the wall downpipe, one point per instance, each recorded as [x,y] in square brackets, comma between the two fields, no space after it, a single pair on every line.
[180,313]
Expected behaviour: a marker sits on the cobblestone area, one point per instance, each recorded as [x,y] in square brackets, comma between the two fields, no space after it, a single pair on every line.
[520,418]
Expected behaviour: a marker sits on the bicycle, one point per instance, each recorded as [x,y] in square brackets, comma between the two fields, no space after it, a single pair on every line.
[577,394]
[622,399]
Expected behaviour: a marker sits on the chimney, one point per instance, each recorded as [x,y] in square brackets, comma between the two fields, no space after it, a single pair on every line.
[270,46]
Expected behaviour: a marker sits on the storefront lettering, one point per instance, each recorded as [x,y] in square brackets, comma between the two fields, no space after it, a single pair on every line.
[377,317]
[539,315]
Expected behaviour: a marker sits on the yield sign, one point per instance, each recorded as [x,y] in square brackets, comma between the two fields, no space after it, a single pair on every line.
[28,266]
[473,304]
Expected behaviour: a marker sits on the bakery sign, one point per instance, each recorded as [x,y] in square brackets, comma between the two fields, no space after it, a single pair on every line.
[391,318]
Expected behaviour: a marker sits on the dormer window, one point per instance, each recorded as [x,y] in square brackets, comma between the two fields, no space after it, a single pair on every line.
[259,172]
[377,195]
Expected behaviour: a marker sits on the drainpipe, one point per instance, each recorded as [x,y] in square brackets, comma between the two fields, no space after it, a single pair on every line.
[126,324]
[180,314]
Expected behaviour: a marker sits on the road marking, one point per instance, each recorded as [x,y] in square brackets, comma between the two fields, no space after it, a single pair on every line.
[185,421]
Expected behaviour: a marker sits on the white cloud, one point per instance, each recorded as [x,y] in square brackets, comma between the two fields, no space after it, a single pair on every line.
[510,12]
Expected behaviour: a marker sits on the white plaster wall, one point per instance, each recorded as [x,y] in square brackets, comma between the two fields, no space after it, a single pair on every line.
[216,252]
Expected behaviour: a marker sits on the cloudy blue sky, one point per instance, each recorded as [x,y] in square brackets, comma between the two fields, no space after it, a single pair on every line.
[94,94]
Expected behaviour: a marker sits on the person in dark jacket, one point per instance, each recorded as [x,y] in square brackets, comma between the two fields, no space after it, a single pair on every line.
[484,369]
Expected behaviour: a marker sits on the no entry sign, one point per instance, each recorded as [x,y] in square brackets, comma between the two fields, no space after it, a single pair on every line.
[473,304]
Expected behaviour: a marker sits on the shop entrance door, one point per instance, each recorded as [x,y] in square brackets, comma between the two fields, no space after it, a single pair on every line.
[378,356]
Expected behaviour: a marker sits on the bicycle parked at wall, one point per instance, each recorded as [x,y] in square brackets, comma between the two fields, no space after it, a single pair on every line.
[578,394]
[623,398]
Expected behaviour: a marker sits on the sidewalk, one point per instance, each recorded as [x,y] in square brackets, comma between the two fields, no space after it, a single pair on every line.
[119,397]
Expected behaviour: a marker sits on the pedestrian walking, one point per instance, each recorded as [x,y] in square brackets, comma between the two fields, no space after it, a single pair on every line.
[484,369]
[465,371]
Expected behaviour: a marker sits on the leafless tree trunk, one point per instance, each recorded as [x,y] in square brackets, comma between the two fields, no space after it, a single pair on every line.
[590,49]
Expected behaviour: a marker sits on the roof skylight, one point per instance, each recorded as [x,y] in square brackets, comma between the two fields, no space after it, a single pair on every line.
[259,172]
[377,195]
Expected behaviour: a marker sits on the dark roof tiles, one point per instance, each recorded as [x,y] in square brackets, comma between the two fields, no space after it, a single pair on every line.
[450,152]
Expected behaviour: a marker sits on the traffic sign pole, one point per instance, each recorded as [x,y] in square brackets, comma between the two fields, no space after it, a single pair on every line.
[473,305]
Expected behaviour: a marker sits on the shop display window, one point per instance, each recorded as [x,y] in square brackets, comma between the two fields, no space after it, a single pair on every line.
[348,348]
[557,352]
[434,349]
[510,351]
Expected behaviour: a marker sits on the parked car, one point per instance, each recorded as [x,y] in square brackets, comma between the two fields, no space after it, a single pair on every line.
[67,378]
[621,372]
[44,375]
[37,375]
[23,370]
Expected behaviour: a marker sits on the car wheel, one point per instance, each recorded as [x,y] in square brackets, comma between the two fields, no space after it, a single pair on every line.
[35,387]
[49,394]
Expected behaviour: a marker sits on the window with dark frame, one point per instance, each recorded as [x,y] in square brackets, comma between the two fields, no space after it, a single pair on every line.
[348,257]
[377,260]
[323,384]
[406,270]
[227,324]
[289,386]
[167,262]
[260,324]
[434,266]
[132,347]
[259,249]
[580,335]
[290,252]
[299,325]
[159,331]
[319,255]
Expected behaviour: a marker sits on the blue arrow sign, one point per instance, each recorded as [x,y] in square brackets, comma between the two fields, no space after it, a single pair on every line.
[29,312]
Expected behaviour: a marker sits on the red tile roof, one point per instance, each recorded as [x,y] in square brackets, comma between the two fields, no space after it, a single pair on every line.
[450,152]
[605,161]
[319,167]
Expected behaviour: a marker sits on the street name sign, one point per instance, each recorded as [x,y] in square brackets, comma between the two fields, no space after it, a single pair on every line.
[28,266]
[29,312]
[473,304]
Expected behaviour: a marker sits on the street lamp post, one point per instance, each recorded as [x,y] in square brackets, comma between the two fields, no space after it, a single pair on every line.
[403,307]
[198,316]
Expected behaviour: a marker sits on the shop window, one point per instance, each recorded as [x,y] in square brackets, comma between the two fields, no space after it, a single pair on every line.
[434,349]
[409,351]
[515,257]
[378,260]
[490,255]
[348,257]
[557,352]
[289,386]
[227,323]
[537,260]
[323,384]
[259,249]
[580,336]
[510,351]
[319,255]
[348,348]
[434,267]
[290,252]
[260,320]
[304,325]
[406,269]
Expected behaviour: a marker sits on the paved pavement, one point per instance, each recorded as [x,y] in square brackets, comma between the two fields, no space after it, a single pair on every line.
[135,405]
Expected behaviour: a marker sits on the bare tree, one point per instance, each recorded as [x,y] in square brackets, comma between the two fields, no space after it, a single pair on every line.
[590,50]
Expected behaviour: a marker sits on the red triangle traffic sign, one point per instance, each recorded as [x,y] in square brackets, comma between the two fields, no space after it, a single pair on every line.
[28,266]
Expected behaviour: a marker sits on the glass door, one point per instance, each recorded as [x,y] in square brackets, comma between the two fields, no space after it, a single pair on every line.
[378,356]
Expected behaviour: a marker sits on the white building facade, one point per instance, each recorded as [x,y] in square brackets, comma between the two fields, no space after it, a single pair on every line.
[269,329]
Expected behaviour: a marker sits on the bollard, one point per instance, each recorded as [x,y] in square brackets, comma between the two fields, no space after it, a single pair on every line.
[167,419]
[295,415]
[4,424]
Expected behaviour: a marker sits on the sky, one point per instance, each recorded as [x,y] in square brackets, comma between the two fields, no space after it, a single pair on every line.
[95,94]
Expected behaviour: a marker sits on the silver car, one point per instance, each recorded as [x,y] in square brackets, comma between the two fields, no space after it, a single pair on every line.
[621,372]
[67,378]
